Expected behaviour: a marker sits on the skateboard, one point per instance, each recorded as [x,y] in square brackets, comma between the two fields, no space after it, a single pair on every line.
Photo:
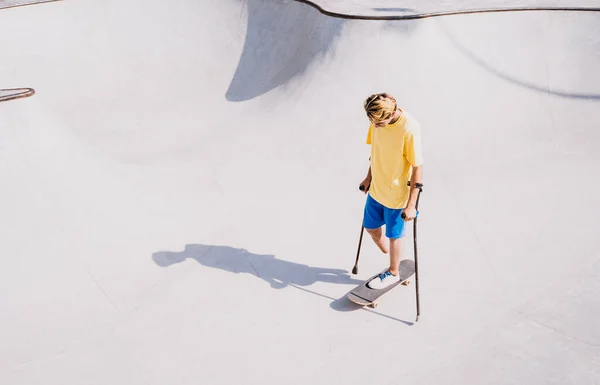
[365,296]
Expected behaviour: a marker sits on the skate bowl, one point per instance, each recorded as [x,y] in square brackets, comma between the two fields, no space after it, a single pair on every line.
[180,199]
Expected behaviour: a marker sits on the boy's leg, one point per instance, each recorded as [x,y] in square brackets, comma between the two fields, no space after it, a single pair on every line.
[379,239]
[395,228]
[395,233]
[396,251]
[373,222]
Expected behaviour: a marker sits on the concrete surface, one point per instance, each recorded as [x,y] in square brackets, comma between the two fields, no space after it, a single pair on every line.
[180,197]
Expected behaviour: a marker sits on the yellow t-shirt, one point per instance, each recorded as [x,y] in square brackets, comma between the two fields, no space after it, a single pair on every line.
[395,149]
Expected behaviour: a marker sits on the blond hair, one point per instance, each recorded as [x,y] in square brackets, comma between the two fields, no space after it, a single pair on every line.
[380,106]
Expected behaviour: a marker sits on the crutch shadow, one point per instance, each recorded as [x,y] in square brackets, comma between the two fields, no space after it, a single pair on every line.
[345,305]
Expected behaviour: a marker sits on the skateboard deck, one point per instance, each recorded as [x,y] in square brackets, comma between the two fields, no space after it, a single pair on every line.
[364,295]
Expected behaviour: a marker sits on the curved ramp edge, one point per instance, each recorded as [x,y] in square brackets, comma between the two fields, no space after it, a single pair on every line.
[15,93]
[20,3]
[370,11]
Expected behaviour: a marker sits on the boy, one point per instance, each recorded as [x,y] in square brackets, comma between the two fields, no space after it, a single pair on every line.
[396,159]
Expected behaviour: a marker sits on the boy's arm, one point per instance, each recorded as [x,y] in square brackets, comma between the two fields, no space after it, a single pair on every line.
[414,157]
[364,186]
[417,177]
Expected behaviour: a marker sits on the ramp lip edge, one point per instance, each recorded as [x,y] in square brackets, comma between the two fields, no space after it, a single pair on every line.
[25,4]
[16,93]
[425,15]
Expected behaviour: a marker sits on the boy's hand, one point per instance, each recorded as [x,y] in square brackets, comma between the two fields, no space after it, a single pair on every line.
[364,186]
[409,213]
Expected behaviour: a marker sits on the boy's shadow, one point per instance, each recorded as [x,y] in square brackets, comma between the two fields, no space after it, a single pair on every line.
[278,273]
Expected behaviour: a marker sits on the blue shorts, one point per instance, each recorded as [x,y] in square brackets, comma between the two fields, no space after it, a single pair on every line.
[377,215]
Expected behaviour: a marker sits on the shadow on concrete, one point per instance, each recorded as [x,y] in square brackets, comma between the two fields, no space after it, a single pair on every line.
[489,68]
[401,27]
[344,304]
[396,9]
[277,273]
[282,40]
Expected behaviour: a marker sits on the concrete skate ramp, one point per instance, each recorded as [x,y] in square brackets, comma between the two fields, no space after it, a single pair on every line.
[180,197]
[274,51]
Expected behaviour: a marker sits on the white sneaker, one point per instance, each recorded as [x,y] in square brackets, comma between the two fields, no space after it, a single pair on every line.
[383,280]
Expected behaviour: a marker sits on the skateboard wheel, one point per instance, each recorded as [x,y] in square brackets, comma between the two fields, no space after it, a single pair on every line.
[374,305]
[406,283]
